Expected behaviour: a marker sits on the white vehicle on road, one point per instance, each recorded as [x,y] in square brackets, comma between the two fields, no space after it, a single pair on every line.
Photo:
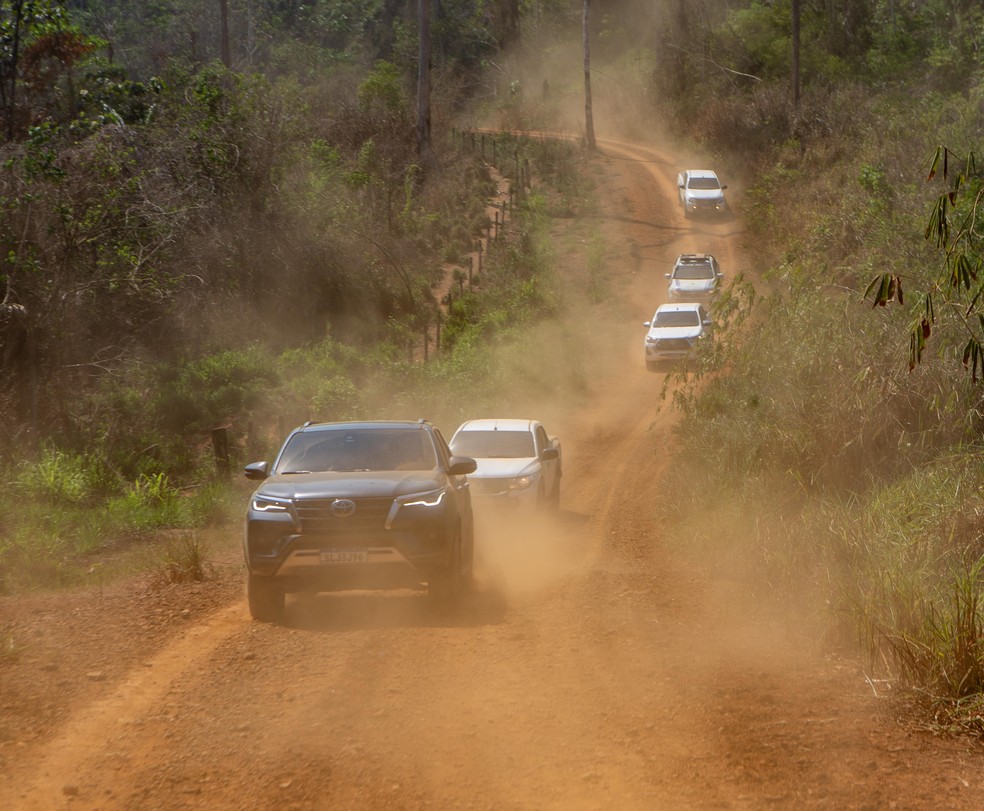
[700,192]
[695,277]
[674,333]
[519,464]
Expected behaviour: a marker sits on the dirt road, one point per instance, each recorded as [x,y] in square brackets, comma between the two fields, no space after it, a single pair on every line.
[592,669]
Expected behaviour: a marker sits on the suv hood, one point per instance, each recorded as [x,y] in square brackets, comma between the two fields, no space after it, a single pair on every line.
[662,333]
[692,285]
[705,194]
[497,468]
[346,484]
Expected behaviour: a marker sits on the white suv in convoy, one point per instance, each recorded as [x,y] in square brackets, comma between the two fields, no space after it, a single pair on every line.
[695,277]
[519,464]
[700,192]
[674,333]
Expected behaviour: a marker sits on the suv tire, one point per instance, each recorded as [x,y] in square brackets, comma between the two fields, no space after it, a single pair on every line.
[445,585]
[266,602]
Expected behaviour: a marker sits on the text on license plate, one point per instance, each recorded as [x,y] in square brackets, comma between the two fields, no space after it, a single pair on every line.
[330,556]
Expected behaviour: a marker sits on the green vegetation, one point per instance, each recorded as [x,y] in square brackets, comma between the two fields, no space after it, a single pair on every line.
[189,245]
[845,476]
[197,237]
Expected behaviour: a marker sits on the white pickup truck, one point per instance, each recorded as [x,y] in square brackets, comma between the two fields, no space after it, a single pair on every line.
[701,192]
[518,463]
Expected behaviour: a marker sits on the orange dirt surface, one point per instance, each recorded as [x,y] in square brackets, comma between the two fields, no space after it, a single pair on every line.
[592,668]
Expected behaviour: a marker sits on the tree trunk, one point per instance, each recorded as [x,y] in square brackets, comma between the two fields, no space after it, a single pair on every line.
[10,80]
[424,150]
[508,22]
[224,34]
[795,78]
[588,114]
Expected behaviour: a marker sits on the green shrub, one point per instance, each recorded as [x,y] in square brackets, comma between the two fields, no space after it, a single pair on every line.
[59,477]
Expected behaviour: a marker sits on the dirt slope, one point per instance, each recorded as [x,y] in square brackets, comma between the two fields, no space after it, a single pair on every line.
[591,670]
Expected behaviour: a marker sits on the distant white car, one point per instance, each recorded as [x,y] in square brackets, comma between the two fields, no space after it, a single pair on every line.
[695,277]
[518,463]
[701,192]
[674,333]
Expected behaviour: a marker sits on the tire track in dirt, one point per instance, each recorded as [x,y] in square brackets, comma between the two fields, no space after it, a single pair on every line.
[593,669]
[60,769]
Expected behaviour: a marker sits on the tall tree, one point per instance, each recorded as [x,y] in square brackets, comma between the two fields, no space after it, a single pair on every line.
[13,26]
[588,114]
[507,12]
[424,150]
[796,54]
[224,34]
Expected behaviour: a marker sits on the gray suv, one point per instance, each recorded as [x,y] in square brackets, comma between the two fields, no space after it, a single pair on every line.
[364,505]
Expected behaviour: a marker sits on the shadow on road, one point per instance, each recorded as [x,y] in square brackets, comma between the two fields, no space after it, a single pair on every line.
[360,610]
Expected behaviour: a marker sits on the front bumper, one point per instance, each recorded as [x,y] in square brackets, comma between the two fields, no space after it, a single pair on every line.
[656,355]
[306,549]
[706,206]
[490,493]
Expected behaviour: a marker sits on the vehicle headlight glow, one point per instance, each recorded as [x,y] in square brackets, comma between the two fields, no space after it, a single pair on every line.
[427,500]
[265,504]
[521,482]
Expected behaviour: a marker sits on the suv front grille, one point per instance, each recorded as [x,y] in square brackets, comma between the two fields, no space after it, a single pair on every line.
[485,487]
[673,345]
[366,523]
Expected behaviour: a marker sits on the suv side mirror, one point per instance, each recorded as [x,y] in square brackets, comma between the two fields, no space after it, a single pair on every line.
[668,275]
[257,470]
[724,186]
[462,465]
[549,454]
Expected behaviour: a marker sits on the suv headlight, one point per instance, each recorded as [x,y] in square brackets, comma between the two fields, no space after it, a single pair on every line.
[432,499]
[422,505]
[269,504]
[521,482]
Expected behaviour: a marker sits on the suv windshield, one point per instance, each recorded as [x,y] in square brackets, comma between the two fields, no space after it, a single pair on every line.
[494,444]
[677,318]
[355,449]
[693,270]
[704,183]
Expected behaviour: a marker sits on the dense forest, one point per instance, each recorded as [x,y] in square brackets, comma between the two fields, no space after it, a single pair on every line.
[217,214]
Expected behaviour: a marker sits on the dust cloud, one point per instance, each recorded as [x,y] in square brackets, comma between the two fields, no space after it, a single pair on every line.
[518,553]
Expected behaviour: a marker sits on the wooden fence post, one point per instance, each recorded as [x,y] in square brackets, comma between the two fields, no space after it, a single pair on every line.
[220,447]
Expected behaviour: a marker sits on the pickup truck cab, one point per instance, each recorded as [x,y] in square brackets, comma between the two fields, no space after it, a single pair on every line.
[517,463]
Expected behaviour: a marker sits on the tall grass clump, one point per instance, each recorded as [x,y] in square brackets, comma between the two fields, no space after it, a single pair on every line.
[844,481]
[905,570]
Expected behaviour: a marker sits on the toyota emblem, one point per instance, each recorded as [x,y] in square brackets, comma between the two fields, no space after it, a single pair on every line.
[342,507]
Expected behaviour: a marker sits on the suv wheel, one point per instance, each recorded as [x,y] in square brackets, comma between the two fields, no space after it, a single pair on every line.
[266,602]
[445,585]
[555,495]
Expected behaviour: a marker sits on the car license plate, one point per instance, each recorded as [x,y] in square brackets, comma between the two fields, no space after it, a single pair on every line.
[336,556]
